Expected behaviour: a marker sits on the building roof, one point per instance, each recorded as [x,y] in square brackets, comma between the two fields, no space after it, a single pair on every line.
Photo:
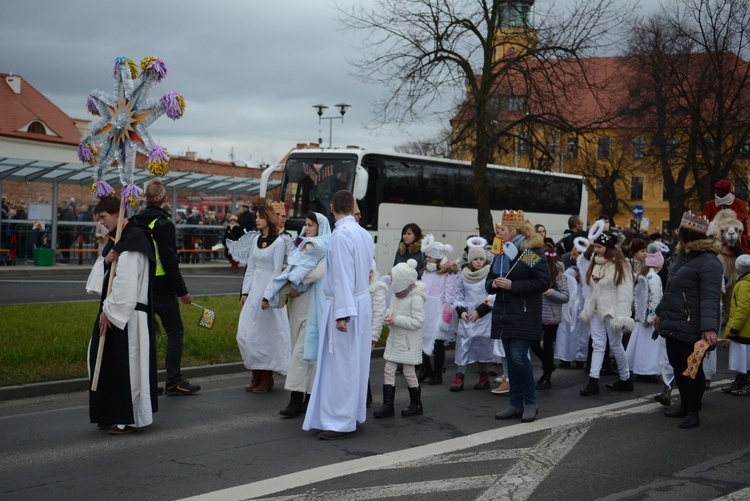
[21,104]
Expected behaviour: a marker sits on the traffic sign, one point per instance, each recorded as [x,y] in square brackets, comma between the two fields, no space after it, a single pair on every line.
[638,211]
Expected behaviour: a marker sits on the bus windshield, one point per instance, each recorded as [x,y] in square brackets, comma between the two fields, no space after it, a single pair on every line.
[310,182]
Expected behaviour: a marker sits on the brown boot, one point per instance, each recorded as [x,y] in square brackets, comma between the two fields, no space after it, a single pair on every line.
[254,382]
[266,382]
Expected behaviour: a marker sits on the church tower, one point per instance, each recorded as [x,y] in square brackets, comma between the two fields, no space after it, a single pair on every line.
[515,33]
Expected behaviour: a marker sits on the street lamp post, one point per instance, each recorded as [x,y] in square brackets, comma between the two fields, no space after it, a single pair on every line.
[321,109]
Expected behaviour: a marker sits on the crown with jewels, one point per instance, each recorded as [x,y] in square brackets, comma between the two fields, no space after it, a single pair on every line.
[277,206]
[514,218]
[694,223]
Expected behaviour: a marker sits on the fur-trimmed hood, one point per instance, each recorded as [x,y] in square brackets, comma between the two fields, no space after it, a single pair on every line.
[533,242]
[413,248]
[448,267]
[702,245]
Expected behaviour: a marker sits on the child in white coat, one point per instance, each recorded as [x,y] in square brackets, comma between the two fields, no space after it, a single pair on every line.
[406,320]
[439,278]
[643,352]
[473,341]
[607,310]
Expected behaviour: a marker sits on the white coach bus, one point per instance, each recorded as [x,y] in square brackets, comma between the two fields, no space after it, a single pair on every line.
[394,189]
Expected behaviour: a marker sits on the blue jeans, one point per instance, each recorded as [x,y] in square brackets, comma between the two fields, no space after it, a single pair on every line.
[519,371]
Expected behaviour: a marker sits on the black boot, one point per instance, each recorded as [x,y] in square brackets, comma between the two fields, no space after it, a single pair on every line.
[620,385]
[545,382]
[294,408]
[306,402]
[425,372]
[437,375]
[739,382]
[386,410]
[691,421]
[369,395]
[665,397]
[592,388]
[415,403]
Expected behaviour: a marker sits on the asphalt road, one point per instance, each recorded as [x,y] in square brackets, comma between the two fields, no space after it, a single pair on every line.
[30,284]
[224,443]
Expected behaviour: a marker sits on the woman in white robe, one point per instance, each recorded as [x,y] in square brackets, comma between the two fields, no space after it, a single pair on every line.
[263,332]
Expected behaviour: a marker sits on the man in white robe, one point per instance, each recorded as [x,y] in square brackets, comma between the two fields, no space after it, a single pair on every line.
[338,400]
[126,394]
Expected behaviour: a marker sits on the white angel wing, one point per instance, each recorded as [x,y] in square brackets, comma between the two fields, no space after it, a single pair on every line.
[242,248]
[433,313]
[641,298]
[386,279]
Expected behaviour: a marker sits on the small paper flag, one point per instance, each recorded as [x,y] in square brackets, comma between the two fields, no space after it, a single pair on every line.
[207,317]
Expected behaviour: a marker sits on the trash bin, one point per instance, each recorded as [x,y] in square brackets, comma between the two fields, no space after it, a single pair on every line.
[44,257]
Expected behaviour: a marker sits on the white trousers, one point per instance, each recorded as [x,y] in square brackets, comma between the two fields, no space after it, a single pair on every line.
[600,333]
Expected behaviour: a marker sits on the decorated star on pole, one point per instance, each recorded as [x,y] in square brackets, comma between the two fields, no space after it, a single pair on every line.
[122,131]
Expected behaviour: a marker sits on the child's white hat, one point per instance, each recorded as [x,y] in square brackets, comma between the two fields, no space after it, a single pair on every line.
[403,275]
[434,249]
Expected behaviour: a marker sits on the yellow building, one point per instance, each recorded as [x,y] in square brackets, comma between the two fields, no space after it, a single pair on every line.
[590,133]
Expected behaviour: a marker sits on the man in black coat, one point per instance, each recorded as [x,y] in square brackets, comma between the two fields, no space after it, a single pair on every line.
[168,285]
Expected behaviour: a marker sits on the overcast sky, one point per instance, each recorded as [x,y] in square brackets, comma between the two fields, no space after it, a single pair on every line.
[250,70]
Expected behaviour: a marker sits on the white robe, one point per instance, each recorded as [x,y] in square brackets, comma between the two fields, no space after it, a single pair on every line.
[473,342]
[263,335]
[129,287]
[339,393]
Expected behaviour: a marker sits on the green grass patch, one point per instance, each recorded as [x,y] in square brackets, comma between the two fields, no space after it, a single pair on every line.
[48,342]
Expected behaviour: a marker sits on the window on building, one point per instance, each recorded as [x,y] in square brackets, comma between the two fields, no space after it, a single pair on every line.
[665,227]
[572,149]
[745,149]
[673,147]
[639,148]
[524,143]
[603,150]
[740,188]
[36,128]
[636,188]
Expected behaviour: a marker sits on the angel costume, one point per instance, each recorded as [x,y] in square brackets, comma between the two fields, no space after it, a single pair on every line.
[306,266]
[473,342]
[338,400]
[643,352]
[263,335]
[571,345]
[127,390]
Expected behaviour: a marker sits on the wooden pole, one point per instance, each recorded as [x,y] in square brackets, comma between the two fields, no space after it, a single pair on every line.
[112,270]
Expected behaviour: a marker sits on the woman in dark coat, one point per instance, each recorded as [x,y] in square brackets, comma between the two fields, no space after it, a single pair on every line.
[518,278]
[410,247]
[690,310]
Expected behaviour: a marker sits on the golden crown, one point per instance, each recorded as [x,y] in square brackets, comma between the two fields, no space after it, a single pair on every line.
[514,218]
[695,223]
[277,206]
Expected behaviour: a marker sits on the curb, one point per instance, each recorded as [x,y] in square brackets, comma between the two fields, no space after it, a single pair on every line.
[74,385]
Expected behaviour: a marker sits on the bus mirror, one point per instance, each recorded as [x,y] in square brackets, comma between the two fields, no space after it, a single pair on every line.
[360,183]
[265,176]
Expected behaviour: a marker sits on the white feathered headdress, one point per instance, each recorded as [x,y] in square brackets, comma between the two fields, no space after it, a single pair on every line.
[476,246]
[434,249]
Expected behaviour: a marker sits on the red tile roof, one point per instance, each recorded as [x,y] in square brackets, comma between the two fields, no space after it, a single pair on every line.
[18,110]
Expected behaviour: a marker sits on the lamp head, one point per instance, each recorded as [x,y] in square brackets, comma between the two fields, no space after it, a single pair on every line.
[343,107]
[321,109]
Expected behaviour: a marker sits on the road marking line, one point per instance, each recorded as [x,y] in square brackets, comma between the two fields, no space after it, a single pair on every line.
[282,483]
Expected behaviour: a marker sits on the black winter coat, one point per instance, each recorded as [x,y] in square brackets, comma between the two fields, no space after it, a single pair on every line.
[692,297]
[517,313]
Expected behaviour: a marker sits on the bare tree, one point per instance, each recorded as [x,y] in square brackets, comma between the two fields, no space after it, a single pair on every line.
[693,90]
[437,146]
[463,58]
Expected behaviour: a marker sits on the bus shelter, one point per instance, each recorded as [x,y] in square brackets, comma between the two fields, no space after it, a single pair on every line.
[56,173]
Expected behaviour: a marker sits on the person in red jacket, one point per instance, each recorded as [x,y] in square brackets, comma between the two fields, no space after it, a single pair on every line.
[725,199]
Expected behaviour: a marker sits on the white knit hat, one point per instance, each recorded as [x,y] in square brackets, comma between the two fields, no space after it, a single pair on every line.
[743,264]
[434,249]
[403,275]
[476,247]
